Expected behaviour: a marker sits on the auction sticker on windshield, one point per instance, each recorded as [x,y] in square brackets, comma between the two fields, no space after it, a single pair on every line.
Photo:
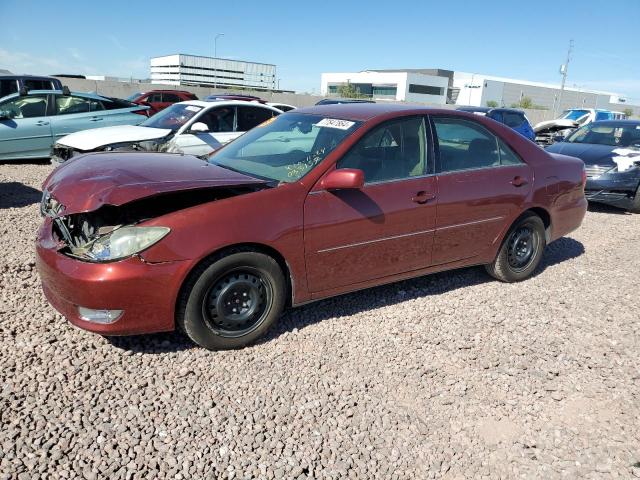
[191,108]
[335,123]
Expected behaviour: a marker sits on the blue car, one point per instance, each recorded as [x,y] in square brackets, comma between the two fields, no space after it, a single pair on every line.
[511,117]
[30,124]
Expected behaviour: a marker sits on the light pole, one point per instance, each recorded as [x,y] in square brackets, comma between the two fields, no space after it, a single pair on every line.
[215,56]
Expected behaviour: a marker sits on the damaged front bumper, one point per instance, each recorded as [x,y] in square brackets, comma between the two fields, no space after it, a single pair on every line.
[613,188]
[145,292]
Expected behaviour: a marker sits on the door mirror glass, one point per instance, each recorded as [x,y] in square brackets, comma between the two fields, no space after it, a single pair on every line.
[343,179]
[199,127]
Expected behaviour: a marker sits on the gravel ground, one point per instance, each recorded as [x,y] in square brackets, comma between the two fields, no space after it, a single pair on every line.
[448,376]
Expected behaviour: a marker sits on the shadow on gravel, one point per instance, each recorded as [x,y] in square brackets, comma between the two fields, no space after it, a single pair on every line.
[435,284]
[153,343]
[16,194]
[603,208]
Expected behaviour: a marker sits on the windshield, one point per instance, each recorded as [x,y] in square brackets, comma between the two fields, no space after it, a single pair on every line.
[574,114]
[612,134]
[284,148]
[131,98]
[172,117]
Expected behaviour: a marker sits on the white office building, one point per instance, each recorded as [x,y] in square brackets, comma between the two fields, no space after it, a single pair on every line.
[397,85]
[180,69]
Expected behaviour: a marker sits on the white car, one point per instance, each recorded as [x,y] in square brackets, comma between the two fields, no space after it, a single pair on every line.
[547,132]
[193,127]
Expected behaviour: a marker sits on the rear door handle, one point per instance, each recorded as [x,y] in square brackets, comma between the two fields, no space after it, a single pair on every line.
[423,197]
[518,181]
[95,119]
[41,123]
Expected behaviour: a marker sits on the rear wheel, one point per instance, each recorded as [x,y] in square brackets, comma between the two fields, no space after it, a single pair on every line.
[521,250]
[232,300]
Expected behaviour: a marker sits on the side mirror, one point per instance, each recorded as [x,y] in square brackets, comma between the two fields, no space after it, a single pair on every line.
[5,115]
[343,179]
[199,127]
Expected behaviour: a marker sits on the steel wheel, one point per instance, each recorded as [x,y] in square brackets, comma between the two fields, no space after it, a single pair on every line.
[521,247]
[237,302]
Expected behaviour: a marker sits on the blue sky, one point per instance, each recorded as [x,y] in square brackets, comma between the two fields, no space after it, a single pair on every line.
[526,40]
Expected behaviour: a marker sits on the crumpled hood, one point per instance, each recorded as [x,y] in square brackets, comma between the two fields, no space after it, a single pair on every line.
[555,125]
[87,182]
[86,140]
[589,153]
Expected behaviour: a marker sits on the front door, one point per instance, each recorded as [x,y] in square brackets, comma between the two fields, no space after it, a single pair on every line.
[73,114]
[482,184]
[386,228]
[25,130]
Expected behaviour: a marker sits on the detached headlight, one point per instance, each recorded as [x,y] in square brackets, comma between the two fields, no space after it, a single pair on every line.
[124,242]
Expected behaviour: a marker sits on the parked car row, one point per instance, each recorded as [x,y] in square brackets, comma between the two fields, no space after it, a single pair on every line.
[54,122]
[311,203]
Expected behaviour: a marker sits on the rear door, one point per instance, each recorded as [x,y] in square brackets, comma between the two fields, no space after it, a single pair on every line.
[72,114]
[26,130]
[482,184]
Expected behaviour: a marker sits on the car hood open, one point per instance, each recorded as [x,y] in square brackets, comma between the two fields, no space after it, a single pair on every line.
[87,140]
[555,125]
[87,182]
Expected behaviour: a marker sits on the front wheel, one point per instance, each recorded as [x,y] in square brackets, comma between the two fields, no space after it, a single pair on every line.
[521,250]
[231,300]
[635,206]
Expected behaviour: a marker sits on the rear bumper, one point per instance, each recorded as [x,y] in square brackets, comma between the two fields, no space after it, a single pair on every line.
[146,292]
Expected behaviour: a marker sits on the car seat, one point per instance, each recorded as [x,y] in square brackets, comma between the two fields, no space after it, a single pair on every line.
[35,109]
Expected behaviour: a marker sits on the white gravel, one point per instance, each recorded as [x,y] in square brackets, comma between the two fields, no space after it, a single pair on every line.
[448,376]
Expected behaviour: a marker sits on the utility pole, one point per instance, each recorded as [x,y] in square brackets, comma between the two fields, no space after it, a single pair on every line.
[563,71]
[215,56]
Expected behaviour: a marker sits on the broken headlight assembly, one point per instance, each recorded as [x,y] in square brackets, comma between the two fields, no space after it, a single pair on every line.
[123,242]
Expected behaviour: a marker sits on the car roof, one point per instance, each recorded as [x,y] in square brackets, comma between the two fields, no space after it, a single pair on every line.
[617,123]
[206,104]
[474,109]
[367,111]
[30,77]
[508,110]
[59,92]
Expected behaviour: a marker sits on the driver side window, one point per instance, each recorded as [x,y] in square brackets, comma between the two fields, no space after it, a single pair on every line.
[26,107]
[392,151]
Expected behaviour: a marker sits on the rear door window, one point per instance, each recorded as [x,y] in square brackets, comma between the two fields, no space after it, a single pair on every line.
[249,117]
[170,98]
[513,119]
[68,105]
[465,145]
[32,84]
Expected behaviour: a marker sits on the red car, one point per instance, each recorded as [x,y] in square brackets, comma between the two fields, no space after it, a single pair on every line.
[160,99]
[313,203]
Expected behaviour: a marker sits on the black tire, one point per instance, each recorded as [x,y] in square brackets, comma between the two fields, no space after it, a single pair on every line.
[212,310]
[521,250]
[635,205]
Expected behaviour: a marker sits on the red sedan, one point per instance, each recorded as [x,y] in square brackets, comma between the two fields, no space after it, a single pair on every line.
[313,203]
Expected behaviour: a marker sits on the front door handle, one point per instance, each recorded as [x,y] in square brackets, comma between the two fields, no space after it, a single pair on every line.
[423,197]
[519,181]
[41,123]
[96,119]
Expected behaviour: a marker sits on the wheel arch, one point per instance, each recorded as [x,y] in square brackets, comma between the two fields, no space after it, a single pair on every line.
[244,247]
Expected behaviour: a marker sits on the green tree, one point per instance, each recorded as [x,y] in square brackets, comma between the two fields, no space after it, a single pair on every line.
[492,103]
[628,112]
[525,102]
[347,90]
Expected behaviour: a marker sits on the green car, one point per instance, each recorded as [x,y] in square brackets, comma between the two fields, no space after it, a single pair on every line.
[31,122]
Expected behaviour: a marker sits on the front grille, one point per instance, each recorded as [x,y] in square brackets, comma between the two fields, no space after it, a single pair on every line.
[596,170]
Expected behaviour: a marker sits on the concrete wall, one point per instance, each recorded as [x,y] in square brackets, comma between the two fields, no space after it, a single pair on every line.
[123,90]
